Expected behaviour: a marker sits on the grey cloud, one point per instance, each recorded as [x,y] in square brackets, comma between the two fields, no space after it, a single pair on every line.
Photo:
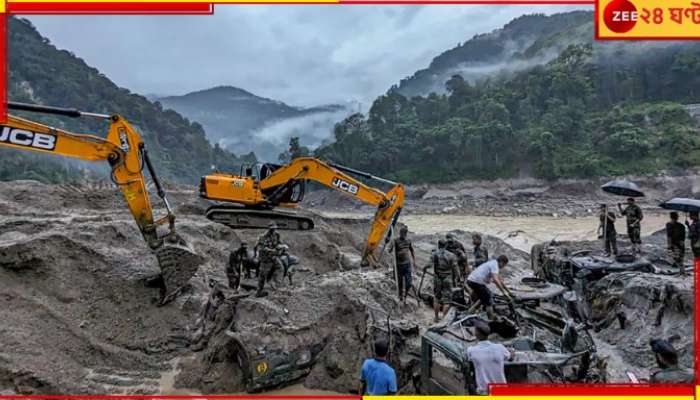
[303,55]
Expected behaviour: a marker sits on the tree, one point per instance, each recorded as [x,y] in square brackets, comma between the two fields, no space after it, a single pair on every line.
[295,150]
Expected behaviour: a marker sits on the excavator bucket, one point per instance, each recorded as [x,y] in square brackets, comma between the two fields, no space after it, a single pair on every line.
[178,263]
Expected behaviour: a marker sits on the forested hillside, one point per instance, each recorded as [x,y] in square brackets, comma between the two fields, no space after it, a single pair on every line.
[41,73]
[523,42]
[594,110]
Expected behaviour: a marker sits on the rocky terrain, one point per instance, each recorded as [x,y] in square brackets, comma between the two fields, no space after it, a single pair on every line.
[80,317]
[523,197]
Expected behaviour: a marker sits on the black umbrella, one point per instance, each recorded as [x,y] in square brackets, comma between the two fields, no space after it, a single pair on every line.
[622,188]
[681,204]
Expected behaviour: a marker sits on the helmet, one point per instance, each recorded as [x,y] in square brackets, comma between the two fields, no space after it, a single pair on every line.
[450,236]
[272,225]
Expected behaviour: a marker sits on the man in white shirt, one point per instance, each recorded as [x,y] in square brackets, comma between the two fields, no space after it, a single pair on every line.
[482,276]
[488,359]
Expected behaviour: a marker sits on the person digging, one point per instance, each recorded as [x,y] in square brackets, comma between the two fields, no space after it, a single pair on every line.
[478,280]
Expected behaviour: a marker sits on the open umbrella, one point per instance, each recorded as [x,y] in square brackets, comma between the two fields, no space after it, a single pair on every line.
[681,204]
[622,188]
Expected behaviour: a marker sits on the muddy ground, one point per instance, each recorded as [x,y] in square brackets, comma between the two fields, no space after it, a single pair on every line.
[79,317]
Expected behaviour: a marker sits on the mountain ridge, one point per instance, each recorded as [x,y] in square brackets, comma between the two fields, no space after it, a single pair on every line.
[245,122]
[41,73]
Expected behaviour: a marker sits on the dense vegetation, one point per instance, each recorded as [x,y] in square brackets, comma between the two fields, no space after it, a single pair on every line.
[586,113]
[40,73]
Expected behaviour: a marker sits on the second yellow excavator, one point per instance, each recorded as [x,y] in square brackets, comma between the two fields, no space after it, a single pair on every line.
[261,188]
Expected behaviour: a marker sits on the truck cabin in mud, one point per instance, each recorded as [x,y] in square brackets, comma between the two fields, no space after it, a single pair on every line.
[556,262]
[548,346]
[445,369]
[266,369]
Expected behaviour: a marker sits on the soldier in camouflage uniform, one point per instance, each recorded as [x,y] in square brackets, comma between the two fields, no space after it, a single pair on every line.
[675,239]
[270,265]
[235,265]
[634,227]
[288,262]
[444,267]
[481,255]
[667,360]
[456,247]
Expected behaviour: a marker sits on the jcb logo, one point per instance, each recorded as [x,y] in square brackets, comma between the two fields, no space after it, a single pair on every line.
[21,137]
[123,140]
[345,186]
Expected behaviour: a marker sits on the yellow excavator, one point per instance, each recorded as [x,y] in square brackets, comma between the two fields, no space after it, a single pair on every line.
[259,189]
[125,151]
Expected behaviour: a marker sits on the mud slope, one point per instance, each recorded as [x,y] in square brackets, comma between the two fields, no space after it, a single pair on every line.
[78,315]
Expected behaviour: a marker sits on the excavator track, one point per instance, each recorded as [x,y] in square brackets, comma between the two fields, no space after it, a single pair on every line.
[246,218]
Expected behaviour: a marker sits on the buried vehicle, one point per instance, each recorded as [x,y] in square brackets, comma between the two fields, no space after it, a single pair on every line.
[545,348]
[269,369]
[547,342]
[557,262]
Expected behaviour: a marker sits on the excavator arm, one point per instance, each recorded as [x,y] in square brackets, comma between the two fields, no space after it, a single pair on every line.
[337,177]
[125,151]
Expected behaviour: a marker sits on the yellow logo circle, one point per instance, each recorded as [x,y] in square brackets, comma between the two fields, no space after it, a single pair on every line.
[261,367]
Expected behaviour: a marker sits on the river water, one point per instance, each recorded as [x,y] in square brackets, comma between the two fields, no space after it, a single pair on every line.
[519,232]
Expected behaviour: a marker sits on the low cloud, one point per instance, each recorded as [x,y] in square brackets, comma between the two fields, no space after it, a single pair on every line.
[305,55]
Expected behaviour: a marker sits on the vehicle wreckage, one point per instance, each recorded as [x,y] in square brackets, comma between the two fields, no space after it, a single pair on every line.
[547,345]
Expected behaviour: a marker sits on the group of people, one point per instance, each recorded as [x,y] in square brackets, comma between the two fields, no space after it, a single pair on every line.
[451,269]
[608,233]
[675,232]
[269,259]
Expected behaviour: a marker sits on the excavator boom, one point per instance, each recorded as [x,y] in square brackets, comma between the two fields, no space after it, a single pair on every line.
[251,200]
[126,154]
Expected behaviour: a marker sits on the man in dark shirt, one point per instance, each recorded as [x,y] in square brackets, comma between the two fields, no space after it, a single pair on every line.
[456,247]
[405,260]
[481,255]
[234,267]
[607,230]
[675,239]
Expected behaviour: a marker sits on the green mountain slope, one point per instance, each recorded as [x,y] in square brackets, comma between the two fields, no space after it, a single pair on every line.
[525,41]
[41,73]
[596,109]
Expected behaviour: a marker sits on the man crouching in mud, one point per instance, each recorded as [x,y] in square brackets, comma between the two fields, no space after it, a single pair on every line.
[482,276]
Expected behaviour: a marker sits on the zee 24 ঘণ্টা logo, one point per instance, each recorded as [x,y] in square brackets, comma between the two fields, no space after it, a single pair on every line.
[621,16]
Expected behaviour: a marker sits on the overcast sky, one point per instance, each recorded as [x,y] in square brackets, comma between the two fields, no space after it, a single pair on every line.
[300,54]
